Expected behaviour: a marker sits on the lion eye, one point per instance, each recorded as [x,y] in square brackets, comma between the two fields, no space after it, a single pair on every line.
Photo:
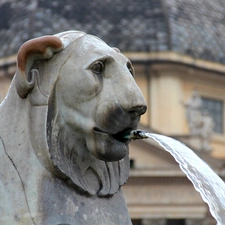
[97,67]
[130,68]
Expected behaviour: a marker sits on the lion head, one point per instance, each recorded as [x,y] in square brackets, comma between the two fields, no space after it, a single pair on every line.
[89,100]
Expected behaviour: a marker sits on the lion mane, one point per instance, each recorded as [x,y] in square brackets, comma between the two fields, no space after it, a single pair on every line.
[89,174]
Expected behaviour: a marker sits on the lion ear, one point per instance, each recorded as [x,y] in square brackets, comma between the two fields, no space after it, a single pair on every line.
[35,49]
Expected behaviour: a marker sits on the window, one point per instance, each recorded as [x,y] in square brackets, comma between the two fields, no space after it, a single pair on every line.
[215,109]
[175,222]
[136,222]
[132,163]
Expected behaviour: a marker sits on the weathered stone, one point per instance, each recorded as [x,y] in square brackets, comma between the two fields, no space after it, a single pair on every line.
[60,161]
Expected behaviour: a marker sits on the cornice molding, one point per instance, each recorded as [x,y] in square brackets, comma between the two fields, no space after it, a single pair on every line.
[174,57]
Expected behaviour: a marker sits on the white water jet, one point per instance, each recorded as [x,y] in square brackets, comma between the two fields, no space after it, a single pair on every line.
[210,186]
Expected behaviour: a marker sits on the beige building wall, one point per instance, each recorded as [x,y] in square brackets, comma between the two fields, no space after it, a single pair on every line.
[4,86]
[7,70]
[170,86]
[163,198]
[209,85]
[142,81]
[165,102]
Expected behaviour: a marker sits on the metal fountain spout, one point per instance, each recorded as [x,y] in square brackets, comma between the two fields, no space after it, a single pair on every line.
[136,134]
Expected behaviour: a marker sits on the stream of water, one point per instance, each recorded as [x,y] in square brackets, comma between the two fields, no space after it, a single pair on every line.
[205,180]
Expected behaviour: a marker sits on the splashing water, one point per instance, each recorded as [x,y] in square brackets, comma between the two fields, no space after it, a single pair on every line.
[205,180]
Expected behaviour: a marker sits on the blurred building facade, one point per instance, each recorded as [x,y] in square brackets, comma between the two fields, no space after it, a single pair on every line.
[177,49]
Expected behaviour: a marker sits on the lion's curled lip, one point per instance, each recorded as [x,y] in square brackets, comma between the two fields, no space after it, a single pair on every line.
[110,147]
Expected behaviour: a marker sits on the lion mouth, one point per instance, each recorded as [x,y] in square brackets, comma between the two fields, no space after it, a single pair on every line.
[119,136]
[108,146]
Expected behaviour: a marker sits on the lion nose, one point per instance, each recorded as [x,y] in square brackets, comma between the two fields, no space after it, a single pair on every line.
[137,111]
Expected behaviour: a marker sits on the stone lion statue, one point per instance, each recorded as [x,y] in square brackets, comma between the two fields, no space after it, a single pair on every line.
[63,155]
